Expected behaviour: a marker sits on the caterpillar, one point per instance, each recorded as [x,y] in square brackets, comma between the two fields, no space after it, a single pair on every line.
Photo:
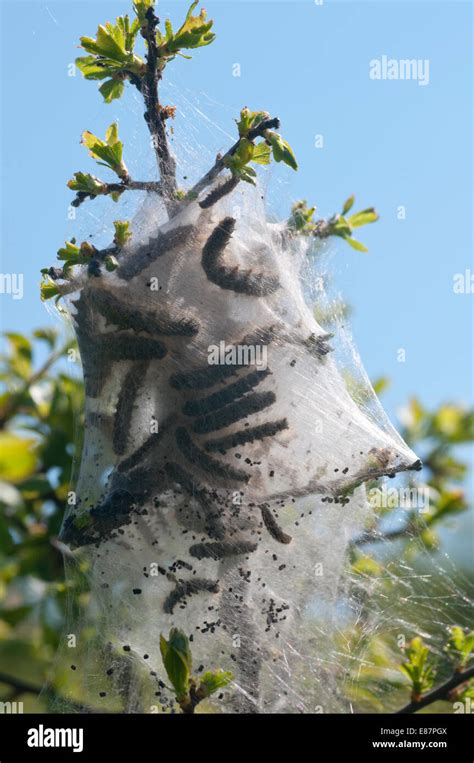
[187,588]
[197,457]
[244,436]
[162,244]
[273,528]
[222,492]
[125,316]
[230,414]
[122,346]
[226,395]
[219,192]
[124,411]
[227,277]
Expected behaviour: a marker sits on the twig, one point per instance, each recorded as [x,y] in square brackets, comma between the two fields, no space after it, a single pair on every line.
[219,164]
[442,692]
[153,116]
[377,536]
[23,687]
[14,400]
[129,185]
[323,228]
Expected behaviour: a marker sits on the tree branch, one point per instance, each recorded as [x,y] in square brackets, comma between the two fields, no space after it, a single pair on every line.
[377,536]
[23,687]
[442,692]
[14,401]
[219,164]
[129,185]
[153,115]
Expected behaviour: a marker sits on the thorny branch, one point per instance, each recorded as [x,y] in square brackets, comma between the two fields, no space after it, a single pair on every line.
[442,692]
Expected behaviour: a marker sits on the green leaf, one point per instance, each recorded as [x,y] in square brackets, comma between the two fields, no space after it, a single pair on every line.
[176,656]
[85,183]
[261,154]
[355,244]
[364,217]
[122,232]
[141,7]
[93,70]
[17,458]
[112,56]
[348,204]
[111,263]
[112,89]
[367,567]
[460,646]
[246,152]
[301,219]
[128,31]
[48,288]
[213,680]
[242,171]
[71,254]
[169,30]
[249,120]
[380,385]
[340,227]
[417,668]
[105,45]
[69,251]
[282,151]
[49,336]
[111,134]
[109,152]
[195,32]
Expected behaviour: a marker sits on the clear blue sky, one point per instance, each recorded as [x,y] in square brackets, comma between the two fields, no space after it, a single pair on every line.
[391,142]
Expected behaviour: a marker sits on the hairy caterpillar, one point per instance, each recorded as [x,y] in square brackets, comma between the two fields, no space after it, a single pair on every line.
[226,276]
[232,499]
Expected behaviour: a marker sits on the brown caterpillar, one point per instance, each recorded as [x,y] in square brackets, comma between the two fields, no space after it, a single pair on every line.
[140,453]
[188,588]
[124,316]
[123,346]
[196,456]
[272,526]
[215,527]
[124,412]
[244,436]
[230,414]
[220,550]
[227,277]
[218,193]
[162,244]
[226,395]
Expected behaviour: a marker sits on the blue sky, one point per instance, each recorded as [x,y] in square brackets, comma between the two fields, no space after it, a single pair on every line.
[392,143]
